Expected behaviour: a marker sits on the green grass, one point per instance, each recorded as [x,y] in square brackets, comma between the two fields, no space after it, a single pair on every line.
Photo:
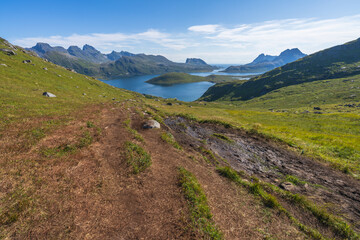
[333,136]
[201,216]
[137,157]
[268,200]
[83,141]
[337,224]
[336,62]
[135,133]
[169,138]
[169,79]
[295,180]
[17,202]
[223,137]
[208,155]
[22,85]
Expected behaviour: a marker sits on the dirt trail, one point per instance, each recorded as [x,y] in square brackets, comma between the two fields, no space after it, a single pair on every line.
[271,163]
[91,194]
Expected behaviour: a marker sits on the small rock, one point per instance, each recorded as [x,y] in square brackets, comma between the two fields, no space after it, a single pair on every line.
[7,51]
[45,68]
[340,182]
[84,94]
[169,103]
[317,108]
[151,124]
[288,186]
[47,94]
[26,61]
[3,64]
[318,113]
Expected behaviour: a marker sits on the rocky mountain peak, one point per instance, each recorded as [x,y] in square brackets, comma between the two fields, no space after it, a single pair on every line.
[195,61]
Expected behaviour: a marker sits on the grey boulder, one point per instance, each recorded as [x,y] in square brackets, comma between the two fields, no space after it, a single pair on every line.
[151,124]
[7,51]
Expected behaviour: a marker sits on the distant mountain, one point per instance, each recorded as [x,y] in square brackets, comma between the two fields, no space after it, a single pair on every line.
[195,61]
[92,62]
[336,62]
[264,63]
[113,56]
[87,53]
[142,64]
[42,48]
[263,58]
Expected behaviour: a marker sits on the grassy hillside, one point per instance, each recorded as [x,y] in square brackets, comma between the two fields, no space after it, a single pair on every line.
[80,166]
[22,85]
[330,132]
[336,62]
[169,79]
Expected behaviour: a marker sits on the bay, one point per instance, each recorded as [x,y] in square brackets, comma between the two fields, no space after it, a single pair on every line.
[185,92]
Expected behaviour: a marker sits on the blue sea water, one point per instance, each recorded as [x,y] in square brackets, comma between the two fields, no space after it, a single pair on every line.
[185,92]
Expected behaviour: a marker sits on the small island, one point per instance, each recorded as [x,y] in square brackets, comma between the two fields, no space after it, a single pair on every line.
[169,79]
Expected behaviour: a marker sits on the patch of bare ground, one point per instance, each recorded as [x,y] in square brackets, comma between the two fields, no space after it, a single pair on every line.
[74,183]
[259,157]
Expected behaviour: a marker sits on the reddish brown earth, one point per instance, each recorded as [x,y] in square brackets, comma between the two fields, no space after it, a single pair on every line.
[262,158]
[92,193]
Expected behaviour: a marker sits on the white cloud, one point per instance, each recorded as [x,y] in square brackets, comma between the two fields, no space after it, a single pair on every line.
[221,44]
[207,29]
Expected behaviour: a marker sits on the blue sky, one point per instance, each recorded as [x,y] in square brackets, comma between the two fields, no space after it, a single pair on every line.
[226,31]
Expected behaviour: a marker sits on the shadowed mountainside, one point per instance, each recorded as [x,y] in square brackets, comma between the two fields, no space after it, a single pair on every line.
[336,62]
[264,63]
[92,62]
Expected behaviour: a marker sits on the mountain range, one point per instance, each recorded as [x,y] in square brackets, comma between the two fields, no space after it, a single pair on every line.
[264,63]
[91,62]
[336,62]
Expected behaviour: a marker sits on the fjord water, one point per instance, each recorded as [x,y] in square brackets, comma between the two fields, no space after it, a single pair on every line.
[185,92]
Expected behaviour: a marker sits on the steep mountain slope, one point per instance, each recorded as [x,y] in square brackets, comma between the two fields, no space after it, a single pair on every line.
[92,62]
[195,61]
[335,62]
[88,53]
[264,63]
[141,64]
[113,56]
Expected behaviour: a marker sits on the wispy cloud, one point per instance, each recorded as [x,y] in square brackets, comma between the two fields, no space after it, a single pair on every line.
[221,44]
[207,29]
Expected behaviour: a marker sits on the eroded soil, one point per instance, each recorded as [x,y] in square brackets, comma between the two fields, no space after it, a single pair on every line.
[271,163]
[92,194]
